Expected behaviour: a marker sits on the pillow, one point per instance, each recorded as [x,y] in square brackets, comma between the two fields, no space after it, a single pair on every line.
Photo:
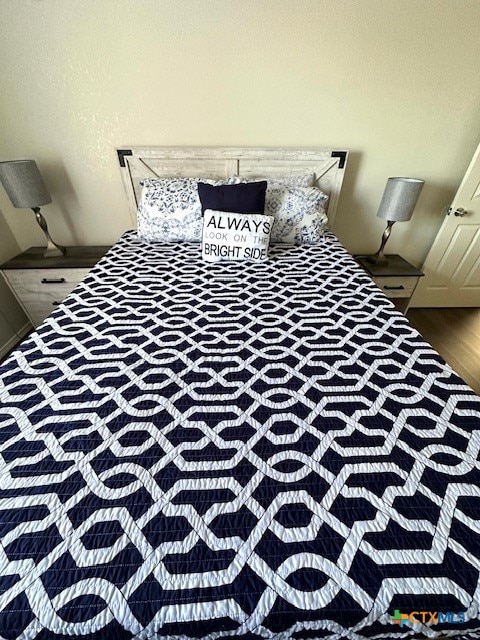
[233,198]
[276,189]
[235,236]
[301,216]
[306,180]
[170,210]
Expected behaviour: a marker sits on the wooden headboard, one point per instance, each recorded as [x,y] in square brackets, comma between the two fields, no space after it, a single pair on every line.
[138,163]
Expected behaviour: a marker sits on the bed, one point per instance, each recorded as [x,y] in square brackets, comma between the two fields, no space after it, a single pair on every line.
[235,450]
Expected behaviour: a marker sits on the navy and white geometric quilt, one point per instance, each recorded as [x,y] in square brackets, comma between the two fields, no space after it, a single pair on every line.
[235,450]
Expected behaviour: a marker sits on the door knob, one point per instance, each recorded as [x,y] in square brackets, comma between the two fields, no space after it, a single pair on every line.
[459,213]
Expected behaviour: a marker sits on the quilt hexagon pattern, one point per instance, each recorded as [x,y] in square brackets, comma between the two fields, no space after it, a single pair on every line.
[235,450]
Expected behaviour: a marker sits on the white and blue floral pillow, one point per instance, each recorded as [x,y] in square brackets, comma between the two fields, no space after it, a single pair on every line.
[298,208]
[276,188]
[300,216]
[170,210]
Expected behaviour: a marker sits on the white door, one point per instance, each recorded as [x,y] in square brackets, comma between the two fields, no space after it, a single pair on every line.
[452,267]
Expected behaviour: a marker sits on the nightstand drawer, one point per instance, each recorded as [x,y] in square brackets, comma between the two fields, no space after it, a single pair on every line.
[41,283]
[41,290]
[396,287]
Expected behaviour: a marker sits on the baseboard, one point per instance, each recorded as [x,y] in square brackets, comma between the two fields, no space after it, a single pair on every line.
[14,340]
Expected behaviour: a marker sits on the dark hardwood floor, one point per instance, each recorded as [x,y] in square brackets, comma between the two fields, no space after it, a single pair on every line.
[455,334]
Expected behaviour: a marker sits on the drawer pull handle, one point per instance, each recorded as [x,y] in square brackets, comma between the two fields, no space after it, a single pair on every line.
[391,288]
[53,280]
[55,304]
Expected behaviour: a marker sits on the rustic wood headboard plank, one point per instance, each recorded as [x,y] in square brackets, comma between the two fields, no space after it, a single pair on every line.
[138,163]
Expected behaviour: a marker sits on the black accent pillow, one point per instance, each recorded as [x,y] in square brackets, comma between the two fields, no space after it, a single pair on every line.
[233,198]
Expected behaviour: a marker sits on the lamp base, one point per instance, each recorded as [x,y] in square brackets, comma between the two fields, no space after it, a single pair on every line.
[55,252]
[53,249]
[377,258]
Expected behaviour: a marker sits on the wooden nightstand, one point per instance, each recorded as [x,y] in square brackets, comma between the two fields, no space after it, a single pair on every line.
[40,284]
[397,279]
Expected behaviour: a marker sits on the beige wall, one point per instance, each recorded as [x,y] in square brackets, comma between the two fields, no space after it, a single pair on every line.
[394,81]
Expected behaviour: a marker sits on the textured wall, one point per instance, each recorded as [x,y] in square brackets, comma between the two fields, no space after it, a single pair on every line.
[394,81]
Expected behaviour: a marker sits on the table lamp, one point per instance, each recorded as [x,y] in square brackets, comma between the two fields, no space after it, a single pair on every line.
[25,188]
[397,205]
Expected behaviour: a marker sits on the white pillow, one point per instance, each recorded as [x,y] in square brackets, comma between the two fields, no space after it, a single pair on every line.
[170,210]
[276,189]
[305,180]
[235,236]
[298,207]
[300,217]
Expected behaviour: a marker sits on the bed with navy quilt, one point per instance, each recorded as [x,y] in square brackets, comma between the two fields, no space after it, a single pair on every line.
[235,450]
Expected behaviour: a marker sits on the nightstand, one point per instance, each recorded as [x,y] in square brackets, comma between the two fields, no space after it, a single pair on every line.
[397,279]
[40,284]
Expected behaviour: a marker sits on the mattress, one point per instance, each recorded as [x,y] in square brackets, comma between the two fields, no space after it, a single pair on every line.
[235,450]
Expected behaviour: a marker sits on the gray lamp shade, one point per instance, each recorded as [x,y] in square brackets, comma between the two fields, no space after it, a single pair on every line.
[399,199]
[23,184]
